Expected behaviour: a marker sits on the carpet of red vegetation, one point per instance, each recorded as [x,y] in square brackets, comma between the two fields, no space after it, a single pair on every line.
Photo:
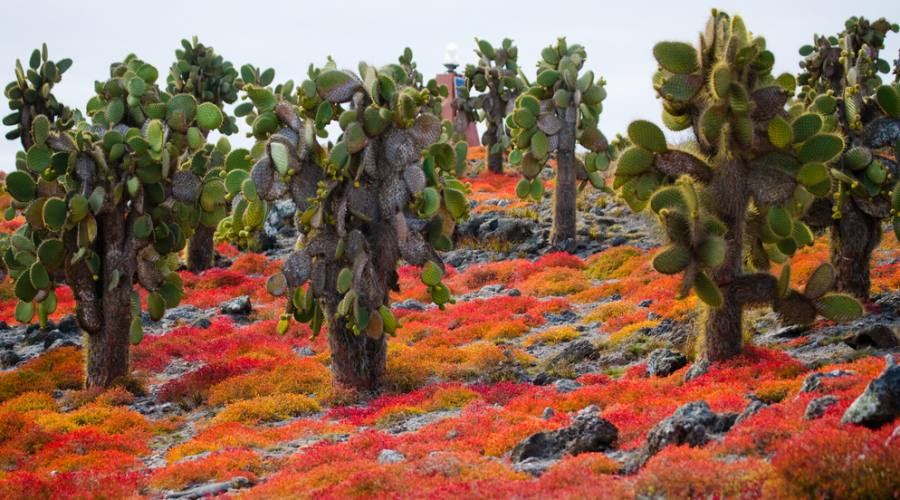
[254,405]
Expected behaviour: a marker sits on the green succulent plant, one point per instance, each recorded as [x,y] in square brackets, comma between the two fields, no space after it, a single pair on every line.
[491,89]
[561,108]
[732,200]
[842,87]
[385,190]
[105,203]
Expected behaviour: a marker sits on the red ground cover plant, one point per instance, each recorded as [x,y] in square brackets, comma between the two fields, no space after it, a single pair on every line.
[261,405]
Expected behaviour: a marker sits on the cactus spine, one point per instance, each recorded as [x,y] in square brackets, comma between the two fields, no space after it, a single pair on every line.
[495,79]
[737,186]
[384,191]
[101,206]
[559,110]
[842,84]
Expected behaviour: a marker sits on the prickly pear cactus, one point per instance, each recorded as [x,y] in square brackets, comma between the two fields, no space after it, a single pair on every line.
[491,89]
[733,199]
[559,109]
[844,90]
[105,201]
[212,80]
[385,190]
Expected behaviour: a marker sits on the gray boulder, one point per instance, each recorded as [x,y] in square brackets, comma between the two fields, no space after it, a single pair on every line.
[817,407]
[588,432]
[880,402]
[663,362]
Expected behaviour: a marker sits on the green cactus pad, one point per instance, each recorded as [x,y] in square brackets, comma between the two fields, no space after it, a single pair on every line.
[20,186]
[670,197]
[712,251]
[681,88]
[812,174]
[781,134]
[24,289]
[677,57]
[821,148]
[38,276]
[858,158]
[536,189]
[839,307]
[889,100]
[672,259]
[820,282]
[780,221]
[456,203]
[431,273]
[24,312]
[806,126]
[547,78]
[54,213]
[707,290]
[38,158]
[648,136]
[523,188]
[156,306]
[209,116]
[635,160]
[344,280]
[388,320]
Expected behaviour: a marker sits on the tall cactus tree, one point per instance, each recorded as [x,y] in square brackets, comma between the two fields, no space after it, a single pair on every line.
[842,88]
[561,109]
[102,202]
[740,184]
[495,81]
[384,191]
[199,71]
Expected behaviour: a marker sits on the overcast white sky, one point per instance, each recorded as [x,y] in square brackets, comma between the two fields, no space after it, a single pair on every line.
[288,36]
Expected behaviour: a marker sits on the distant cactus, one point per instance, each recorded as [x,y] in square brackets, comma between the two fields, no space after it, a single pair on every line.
[106,203]
[742,184]
[384,191]
[558,110]
[841,86]
[491,89]
[199,71]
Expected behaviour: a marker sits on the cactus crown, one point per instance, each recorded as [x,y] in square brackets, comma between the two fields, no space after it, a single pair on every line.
[842,84]
[385,190]
[558,98]
[492,86]
[751,169]
[78,177]
[199,71]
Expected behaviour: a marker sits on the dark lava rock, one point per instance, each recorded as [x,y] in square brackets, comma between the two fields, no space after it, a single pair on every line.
[212,489]
[573,353]
[588,432]
[751,409]
[817,407]
[813,381]
[699,368]
[877,336]
[880,402]
[693,424]
[238,306]
[9,359]
[663,362]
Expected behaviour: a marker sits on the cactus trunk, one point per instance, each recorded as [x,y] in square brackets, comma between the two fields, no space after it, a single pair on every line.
[357,361]
[108,341]
[564,194]
[201,251]
[853,239]
[107,350]
[723,335]
[494,158]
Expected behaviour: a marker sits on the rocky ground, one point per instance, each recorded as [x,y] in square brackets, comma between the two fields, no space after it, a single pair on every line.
[544,358]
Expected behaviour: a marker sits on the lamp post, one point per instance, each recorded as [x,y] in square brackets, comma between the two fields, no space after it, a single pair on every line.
[453,80]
